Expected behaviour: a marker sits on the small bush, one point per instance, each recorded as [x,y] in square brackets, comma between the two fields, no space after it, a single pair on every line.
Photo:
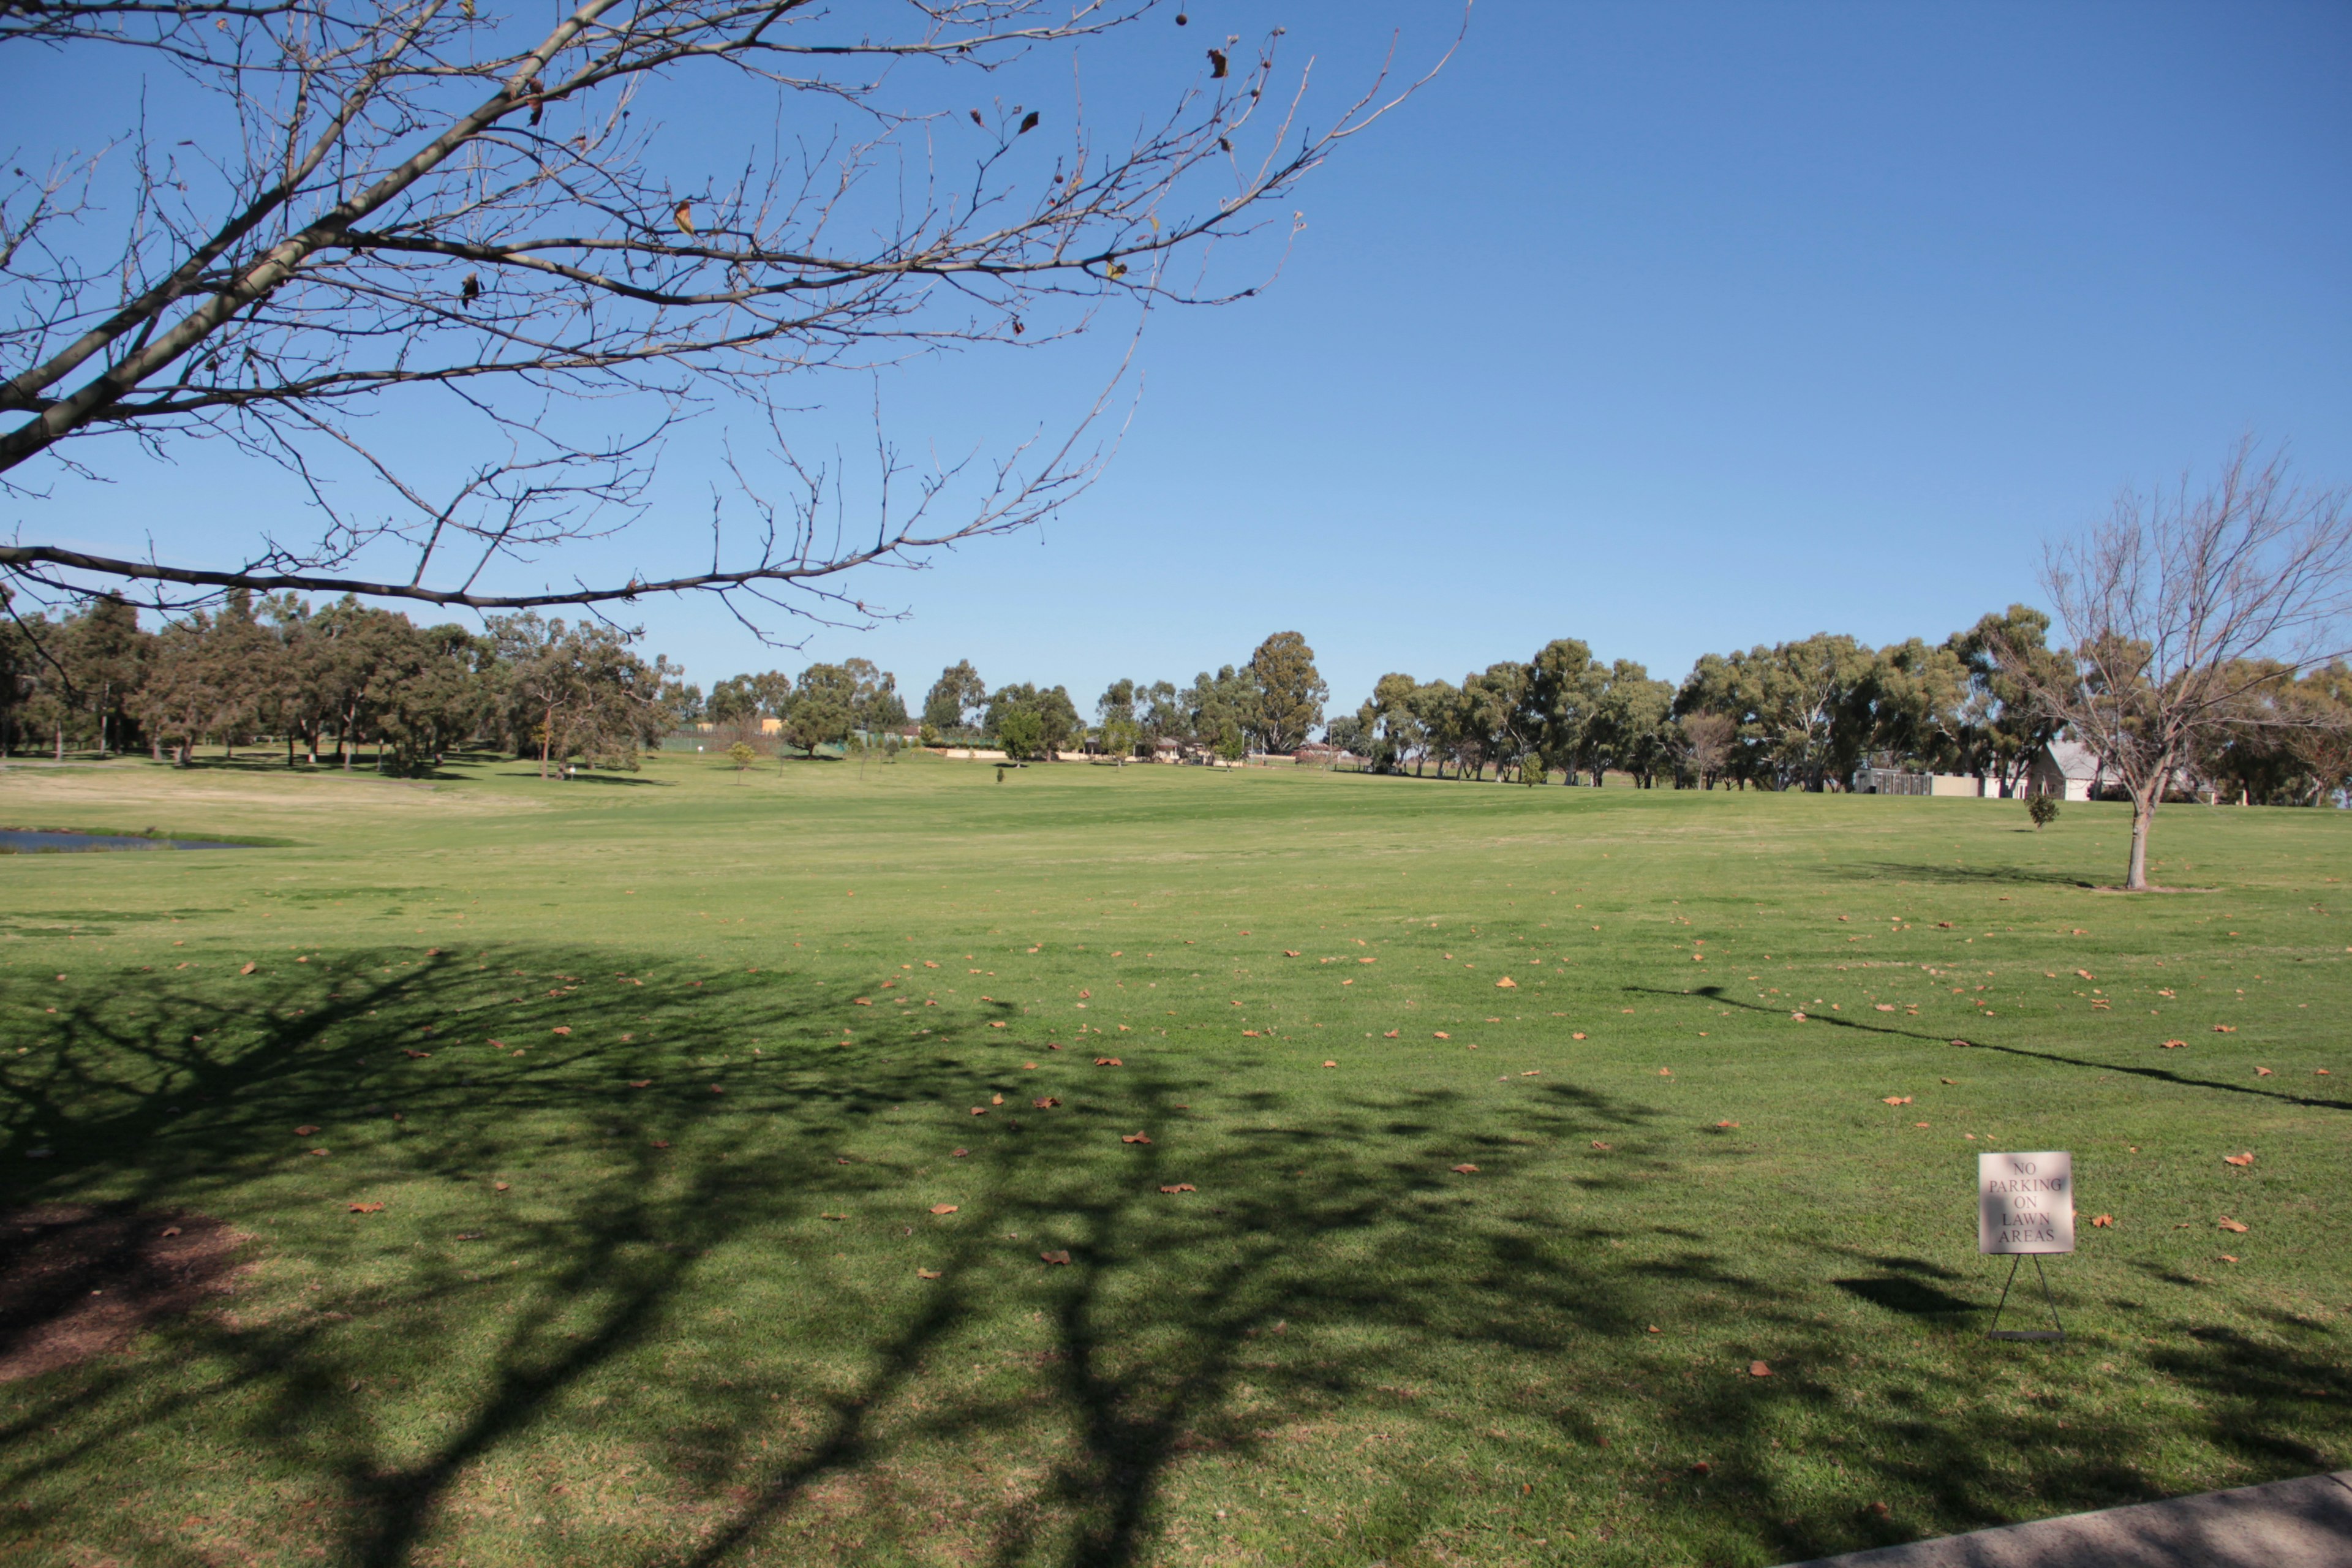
[2043,809]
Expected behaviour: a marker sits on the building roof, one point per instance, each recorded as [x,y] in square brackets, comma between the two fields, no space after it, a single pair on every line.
[2073,759]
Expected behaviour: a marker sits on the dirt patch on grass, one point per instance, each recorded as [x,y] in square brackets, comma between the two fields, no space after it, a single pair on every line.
[78,1282]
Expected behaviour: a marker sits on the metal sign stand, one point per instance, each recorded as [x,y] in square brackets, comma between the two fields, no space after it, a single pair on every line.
[1998,1332]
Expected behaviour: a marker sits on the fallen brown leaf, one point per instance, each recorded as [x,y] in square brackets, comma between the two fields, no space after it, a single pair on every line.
[1054,1258]
[1758,1369]
[304,1132]
[1724,1125]
[367,1208]
[1181,1187]
[641,1083]
[927,1273]
[1108,1062]
[1465,1170]
[2103,1221]
[561,1029]
[1605,1148]
[1440,1035]
[1505,983]
[2174,1045]
[2245,1159]
[1046,1104]
[248,969]
[2225,1028]
[943,1208]
[1898,1099]
[2235,1228]
[1135,1137]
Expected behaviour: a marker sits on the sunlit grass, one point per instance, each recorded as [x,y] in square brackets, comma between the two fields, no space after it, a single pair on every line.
[689,1322]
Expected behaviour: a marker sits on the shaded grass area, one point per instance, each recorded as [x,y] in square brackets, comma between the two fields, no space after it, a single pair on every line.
[653,1289]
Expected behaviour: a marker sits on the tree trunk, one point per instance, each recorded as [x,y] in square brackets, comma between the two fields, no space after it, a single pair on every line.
[546,737]
[61,743]
[2142,813]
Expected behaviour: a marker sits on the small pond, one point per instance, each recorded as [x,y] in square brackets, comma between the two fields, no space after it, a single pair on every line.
[21,841]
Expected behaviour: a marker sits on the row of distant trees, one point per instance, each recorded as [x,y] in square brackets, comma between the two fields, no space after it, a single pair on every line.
[335,681]
[1804,714]
[1809,714]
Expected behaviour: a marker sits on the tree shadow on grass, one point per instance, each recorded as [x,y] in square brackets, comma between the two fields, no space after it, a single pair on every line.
[715,1295]
[1881,872]
[1714,995]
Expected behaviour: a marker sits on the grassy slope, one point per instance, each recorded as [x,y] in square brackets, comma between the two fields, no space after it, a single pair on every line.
[1338,1349]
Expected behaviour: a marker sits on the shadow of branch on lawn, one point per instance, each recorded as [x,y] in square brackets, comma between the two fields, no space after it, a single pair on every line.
[611,1315]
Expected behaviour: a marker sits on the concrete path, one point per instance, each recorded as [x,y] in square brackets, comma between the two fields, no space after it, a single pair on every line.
[2286,1524]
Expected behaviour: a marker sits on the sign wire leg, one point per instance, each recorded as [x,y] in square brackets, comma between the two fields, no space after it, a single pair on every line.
[2050,1299]
[2014,1265]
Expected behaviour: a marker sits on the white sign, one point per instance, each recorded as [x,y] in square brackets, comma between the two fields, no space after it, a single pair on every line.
[2025,1203]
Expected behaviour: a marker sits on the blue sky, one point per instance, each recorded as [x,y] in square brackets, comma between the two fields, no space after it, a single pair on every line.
[1671,327]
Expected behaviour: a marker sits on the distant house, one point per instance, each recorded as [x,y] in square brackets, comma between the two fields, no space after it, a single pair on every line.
[2065,769]
[1896,780]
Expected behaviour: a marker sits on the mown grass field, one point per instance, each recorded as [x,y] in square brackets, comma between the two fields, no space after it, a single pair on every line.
[678,1286]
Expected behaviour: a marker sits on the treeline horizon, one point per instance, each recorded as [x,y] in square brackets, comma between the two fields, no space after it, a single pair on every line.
[1806,713]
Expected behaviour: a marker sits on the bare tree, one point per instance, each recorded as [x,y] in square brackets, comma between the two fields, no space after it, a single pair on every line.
[2176,603]
[363,204]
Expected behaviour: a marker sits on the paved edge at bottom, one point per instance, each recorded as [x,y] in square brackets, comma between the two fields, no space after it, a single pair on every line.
[2304,1523]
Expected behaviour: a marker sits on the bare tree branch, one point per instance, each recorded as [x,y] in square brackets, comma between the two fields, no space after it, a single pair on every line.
[2183,604]
[393,197]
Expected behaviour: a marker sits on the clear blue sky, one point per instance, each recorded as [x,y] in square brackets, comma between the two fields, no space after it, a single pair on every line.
[1671,327]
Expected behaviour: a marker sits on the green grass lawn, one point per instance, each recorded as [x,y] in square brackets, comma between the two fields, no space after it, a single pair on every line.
[664,1084]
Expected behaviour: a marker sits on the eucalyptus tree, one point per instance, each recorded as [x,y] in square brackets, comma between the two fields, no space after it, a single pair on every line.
[1287,703]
